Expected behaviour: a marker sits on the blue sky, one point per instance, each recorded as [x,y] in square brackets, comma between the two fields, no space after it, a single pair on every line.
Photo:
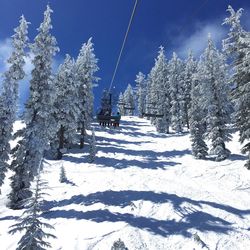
[176,24]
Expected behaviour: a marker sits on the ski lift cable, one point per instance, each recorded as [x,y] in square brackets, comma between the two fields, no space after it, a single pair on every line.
[123,44]
[128,29]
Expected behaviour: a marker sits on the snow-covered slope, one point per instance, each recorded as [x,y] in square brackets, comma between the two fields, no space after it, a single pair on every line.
[146,189]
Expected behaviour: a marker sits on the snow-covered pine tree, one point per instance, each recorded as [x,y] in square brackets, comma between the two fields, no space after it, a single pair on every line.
[151,97]
[176,79]
[120,105]
[149,102]
[40,125]
[237,47]
[119,245]
[215,91]
[141,93]
[86,67]
[197,115]
[30,222]
[63,177]
[106,103]
[129,100]
[159,92]
[9,95]
[190,70]
[66,109]
[92,147]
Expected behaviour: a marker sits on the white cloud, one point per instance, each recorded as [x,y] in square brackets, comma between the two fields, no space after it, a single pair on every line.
[197,41]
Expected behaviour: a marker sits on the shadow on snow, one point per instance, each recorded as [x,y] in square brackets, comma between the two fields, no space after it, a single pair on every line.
[200,220]
[190,211]
[148,159]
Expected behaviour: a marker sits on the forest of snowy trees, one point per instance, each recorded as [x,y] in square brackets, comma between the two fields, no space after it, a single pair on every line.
[209,96]
[58,112]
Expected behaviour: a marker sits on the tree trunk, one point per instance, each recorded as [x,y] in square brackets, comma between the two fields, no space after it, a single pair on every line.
[82,136]
[187,117]
[61,143]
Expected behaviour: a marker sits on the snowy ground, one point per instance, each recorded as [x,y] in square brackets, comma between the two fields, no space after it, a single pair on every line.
[146,189]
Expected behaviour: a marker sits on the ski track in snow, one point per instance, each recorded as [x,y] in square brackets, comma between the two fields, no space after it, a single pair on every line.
[148,190]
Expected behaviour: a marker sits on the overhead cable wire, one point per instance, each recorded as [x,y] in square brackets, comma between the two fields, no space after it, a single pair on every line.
[123,44]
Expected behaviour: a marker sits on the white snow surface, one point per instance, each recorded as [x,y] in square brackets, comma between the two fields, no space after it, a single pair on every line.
[145,188]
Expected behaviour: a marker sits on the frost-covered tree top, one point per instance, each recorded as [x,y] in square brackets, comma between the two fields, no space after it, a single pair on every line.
[42,93]
[191,65]
[129,96]
[234,18]
[129,99]
[9,95]
[158,78]
[44,48]
[86,67]
[86,63]
[16,63]
[44,37]
[67,91]
[140,78]
[231,43]
[213,72]
[157,72]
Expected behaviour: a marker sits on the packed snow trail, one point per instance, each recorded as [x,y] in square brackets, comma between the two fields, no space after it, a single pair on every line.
[148,190]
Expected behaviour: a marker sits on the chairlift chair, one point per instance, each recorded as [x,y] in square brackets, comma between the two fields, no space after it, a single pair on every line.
[151,114]
[105,117]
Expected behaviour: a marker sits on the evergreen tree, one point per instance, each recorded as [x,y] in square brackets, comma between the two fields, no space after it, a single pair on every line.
[30,222]
[237,47]
[86,67]
[149,102]
[119,245]
[159,92]
[176,79]
[63,177]
[190,70]
[66,110]
[215,99]
[129,100]
[197,114]
[106,103]
[92,147]
[9,95]
[141,93]
[120,105]
[40,125]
